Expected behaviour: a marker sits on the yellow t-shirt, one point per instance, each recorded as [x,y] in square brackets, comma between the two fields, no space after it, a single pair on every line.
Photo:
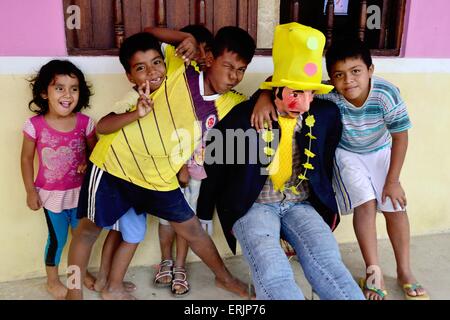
[150,151]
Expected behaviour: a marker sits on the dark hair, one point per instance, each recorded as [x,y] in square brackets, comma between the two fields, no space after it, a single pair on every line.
[39,85]
[200,33]
[344,48]
[141,41]
[236,40]
[279,95]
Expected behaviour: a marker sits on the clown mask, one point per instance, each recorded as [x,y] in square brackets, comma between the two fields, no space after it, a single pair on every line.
[293,102]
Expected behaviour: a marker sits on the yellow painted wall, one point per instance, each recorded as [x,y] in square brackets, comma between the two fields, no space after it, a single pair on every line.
[425,177]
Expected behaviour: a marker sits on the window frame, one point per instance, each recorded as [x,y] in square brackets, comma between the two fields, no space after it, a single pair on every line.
[391,24]
[115,20]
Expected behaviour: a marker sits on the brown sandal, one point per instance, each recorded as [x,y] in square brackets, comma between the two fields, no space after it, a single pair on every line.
[164,273]
[180,282]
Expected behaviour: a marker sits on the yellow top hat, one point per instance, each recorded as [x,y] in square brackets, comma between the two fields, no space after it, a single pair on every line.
[297,58]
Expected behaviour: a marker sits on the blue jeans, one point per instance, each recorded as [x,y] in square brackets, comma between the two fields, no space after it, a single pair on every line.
[258,233]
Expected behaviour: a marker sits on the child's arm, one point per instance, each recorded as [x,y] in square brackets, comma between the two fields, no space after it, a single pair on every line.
[183,176]
[392,187]
[90,143]
[114,122]
[185,42]
[27,161]
[264,110]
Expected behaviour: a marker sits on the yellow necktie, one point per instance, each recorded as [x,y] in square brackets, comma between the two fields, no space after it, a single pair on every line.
[280,170]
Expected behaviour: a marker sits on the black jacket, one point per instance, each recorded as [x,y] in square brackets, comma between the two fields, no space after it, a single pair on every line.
[233,188]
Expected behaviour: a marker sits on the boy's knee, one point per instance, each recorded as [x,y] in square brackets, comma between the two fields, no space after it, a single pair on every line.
[87,231]
[190,229]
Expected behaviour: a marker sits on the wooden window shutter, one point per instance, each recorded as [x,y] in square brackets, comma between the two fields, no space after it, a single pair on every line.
[105,23]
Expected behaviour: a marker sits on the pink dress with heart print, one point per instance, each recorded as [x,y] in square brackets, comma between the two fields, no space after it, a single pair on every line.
[60,154]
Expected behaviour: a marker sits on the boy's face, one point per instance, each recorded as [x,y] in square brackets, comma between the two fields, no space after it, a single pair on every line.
[223,72]
[351,77]
[204,53]
[147,65]
[293,102]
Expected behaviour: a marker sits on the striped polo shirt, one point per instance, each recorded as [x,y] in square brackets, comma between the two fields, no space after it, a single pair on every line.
[150,151]
[368,128]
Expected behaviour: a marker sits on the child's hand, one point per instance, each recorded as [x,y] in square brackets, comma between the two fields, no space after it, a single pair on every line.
[394,191]
[263,112]
[33,200]
[183,176]
[81,169]
[144,104]
[187,49]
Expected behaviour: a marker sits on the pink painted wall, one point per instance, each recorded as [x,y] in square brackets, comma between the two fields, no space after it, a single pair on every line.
[32,28]
[36,28]
[427,29]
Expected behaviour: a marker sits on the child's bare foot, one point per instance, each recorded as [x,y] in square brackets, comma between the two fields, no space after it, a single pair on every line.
[100,284]
[119,294]
[372,292]
[412,289]
[129,286]
[57,290]
[74,294]
[235,286]
[89,281]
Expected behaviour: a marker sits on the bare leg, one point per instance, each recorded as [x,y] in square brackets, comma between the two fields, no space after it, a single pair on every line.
[364,223]
[182,251]
[397,225]
[166,239]
[114,289]
[83,238]
[112,242]
[54,285]
[202,245]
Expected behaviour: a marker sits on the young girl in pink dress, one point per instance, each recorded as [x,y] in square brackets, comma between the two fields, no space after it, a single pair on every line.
[62,137]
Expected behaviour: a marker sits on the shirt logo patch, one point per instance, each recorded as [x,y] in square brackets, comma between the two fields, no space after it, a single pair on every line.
[210,121]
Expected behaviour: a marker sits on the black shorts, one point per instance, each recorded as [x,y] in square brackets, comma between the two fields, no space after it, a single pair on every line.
[104,198]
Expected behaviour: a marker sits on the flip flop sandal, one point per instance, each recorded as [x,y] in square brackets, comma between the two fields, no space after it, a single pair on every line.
[413,287]
[180,282]
[164,273]
[363,285]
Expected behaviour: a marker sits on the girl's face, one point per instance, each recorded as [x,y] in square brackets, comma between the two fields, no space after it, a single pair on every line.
[62,95]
